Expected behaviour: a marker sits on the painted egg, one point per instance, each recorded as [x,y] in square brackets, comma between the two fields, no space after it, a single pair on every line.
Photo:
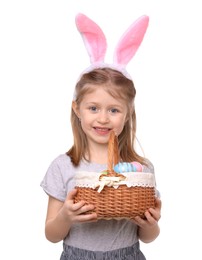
[128,167]
[104,172]
[138,166]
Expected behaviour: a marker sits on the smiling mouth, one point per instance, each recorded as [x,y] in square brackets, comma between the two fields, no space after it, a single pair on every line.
[102,129]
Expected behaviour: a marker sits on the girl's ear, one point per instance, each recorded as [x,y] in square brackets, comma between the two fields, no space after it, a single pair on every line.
[129,114]
[127,118]
[75,108]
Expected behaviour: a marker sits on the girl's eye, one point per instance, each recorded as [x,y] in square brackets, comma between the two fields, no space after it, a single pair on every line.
[93,109]
[113,110]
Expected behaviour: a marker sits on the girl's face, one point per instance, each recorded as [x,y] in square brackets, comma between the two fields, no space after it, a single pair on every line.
[100,113]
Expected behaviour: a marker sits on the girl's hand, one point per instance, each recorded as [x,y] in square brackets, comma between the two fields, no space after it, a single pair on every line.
[152,216]
[73,211]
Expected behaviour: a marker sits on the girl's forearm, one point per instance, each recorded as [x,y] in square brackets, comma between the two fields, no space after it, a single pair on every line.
[56,229]
[147,235]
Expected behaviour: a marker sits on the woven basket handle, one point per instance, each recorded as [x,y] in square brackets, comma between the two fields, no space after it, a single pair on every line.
[113,152]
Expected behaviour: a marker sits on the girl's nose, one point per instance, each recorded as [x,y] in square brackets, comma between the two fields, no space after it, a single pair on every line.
[103,117]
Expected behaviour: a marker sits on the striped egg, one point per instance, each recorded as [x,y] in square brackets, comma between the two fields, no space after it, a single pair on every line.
[138,166]
[128,167]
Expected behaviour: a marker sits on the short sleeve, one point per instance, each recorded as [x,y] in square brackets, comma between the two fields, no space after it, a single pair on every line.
[53,182]
[150,168]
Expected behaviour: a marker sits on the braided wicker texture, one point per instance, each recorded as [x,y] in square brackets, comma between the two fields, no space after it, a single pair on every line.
[122,202]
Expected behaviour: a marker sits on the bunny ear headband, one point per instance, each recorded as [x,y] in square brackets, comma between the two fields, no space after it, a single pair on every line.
[96,44]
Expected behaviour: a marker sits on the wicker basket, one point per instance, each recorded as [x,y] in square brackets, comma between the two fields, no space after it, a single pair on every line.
[119,200]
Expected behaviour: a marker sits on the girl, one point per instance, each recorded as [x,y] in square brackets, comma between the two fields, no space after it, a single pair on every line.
[104,101]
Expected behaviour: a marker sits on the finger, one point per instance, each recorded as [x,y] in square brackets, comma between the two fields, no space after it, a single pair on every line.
[92,217]
[150,217]
[158,203]
[77,206]
[71,194]
[155,214]
[80,208]
[139,221]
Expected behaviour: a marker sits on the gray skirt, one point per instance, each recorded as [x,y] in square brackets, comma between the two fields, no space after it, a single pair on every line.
[127,253]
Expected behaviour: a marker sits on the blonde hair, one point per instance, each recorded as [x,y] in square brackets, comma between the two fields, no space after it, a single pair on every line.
[117,85]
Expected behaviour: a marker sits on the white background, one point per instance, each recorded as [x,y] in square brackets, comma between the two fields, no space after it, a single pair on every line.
[41,56]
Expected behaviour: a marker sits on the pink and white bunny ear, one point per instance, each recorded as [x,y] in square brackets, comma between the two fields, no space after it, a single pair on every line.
[93,37]
[130,42]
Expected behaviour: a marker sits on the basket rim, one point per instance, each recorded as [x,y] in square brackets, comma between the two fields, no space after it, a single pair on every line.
[91,180]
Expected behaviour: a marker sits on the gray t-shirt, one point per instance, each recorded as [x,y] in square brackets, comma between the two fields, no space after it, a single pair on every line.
[103,235]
